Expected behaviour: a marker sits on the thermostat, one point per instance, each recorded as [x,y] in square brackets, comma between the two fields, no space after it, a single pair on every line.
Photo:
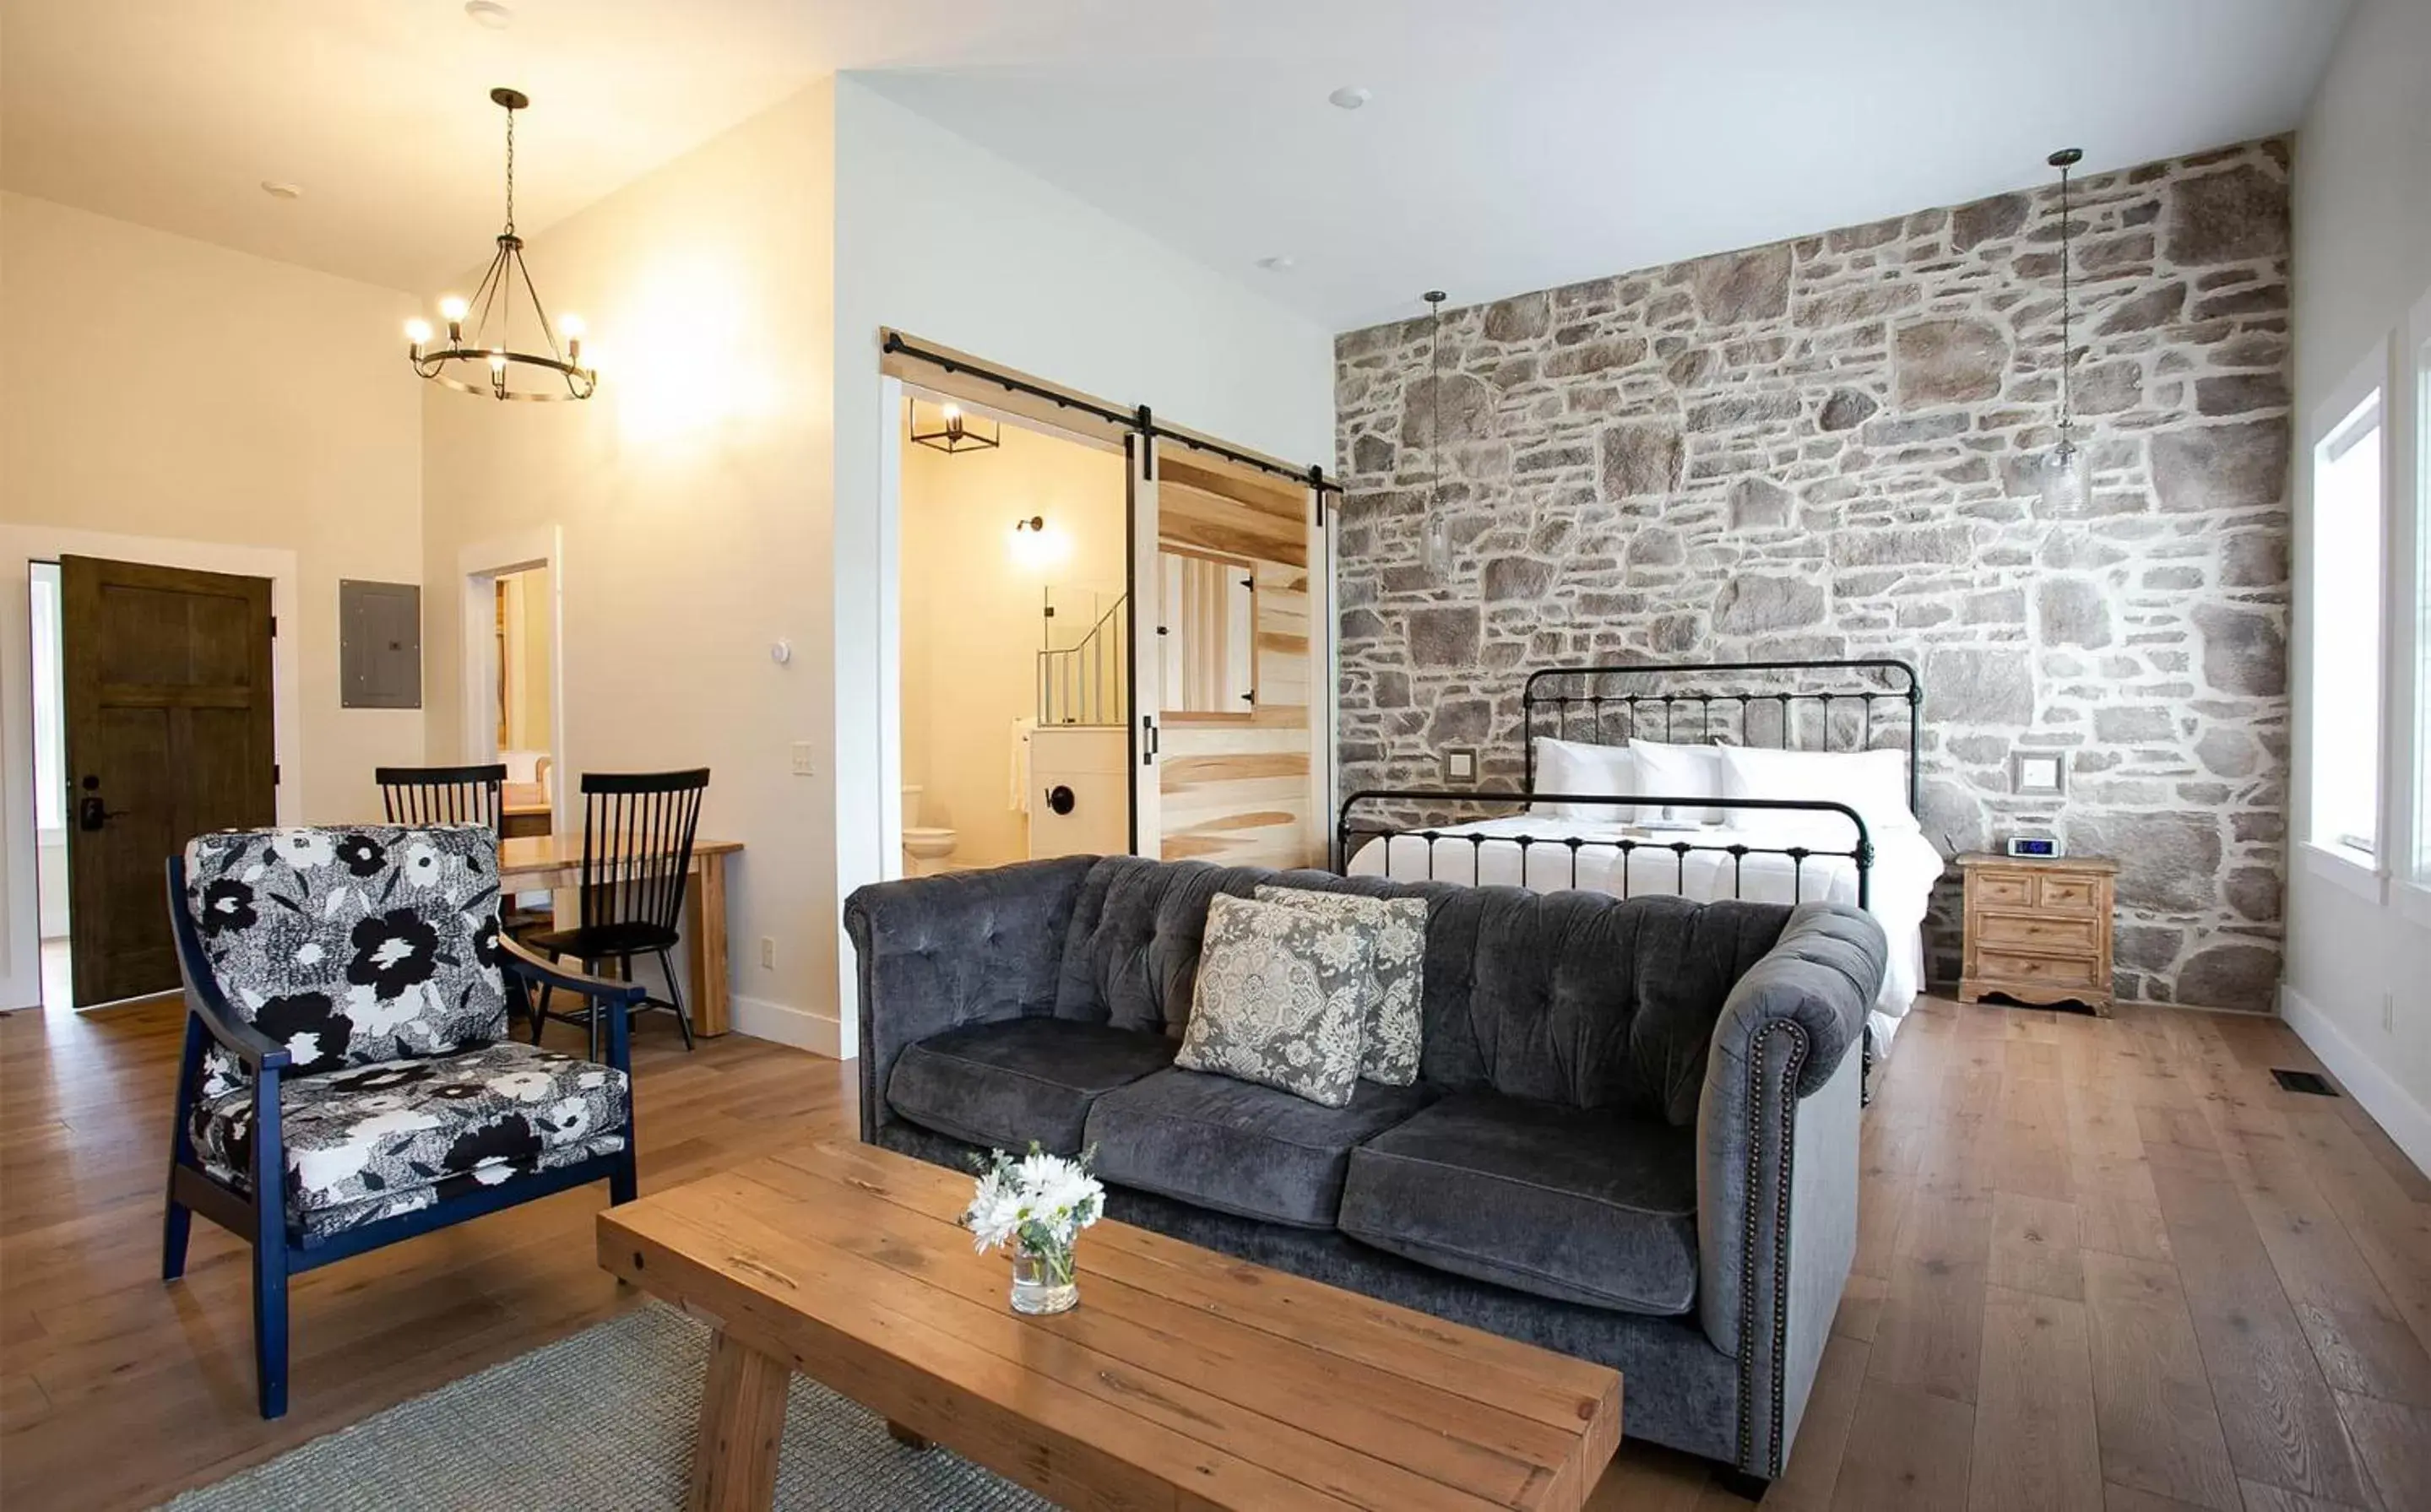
[2035,847]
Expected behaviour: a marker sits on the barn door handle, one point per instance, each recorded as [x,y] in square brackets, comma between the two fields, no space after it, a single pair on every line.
[1060,798]
[92,816]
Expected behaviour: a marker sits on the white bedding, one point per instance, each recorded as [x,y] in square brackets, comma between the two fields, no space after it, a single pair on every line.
[1905,868]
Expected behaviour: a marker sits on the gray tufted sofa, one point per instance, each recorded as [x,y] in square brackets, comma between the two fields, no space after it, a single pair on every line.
[1633,1138]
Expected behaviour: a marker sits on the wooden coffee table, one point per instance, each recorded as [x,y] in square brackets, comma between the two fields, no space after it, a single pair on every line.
[1185,1378]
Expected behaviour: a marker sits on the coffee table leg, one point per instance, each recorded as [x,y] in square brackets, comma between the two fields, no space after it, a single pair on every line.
[906,1437]
[742,1427]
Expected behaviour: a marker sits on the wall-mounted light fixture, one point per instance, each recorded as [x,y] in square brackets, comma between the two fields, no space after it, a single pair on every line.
[947,430]
[1035,545]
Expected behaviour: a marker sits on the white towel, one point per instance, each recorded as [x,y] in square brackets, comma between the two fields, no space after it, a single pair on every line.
[1018,798]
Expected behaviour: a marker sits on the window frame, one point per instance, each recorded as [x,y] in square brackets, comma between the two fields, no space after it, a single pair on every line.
[2409,408]
[2367,878]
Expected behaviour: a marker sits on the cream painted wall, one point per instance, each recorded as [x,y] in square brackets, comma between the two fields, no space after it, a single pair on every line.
[2362,258]
[693,497]
[940,238]
[971,614]
[528,651]
[158,387]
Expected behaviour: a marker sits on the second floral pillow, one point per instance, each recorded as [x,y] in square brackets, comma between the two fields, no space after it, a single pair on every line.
[1390,1034]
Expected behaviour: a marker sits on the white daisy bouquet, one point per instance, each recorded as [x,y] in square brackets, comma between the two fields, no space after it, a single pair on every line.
[1039,1203]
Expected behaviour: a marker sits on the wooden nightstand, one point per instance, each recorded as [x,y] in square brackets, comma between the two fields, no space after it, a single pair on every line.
[2037,931]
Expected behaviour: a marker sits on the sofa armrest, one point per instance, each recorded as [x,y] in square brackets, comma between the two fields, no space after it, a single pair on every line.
[968,947]
[1777,1164]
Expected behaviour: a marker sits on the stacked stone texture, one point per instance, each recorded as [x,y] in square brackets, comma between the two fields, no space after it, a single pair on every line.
[1823,448]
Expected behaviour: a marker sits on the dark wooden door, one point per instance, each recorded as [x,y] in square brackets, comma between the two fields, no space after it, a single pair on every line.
[166,689]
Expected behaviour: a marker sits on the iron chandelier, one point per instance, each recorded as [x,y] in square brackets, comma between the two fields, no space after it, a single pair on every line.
[480,359]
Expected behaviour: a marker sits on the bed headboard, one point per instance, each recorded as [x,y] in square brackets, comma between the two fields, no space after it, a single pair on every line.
[1790,706]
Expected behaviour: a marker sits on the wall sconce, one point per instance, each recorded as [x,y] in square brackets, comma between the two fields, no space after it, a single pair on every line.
[1034,545]
[951,430]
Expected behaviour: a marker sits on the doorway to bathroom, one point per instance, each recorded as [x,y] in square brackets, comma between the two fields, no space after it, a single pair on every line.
[1016,642]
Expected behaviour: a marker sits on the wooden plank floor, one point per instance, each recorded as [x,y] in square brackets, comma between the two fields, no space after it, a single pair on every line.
[2103,1264]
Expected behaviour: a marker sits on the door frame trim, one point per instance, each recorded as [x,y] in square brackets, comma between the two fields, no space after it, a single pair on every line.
[479,567]
[21,546]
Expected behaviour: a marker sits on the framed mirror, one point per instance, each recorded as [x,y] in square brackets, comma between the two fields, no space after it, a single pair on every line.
[1209,634]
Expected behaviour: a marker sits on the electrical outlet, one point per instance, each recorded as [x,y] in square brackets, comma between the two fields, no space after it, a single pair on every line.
[805,765]
[767,953]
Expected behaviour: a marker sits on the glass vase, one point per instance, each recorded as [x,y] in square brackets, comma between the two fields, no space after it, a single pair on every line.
[1043,1279]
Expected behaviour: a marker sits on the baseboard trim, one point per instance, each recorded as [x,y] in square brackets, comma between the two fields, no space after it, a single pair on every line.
[819,1033]
[2407,1122]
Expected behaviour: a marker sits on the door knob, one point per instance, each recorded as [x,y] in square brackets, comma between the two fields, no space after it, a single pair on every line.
[1060,799]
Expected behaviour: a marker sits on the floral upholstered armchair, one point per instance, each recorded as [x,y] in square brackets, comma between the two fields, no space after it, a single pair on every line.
[348,1079]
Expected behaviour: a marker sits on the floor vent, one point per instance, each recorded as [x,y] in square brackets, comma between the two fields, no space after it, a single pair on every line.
[2304,1081]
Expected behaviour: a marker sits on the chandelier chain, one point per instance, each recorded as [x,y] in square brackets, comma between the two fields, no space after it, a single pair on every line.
[511,170]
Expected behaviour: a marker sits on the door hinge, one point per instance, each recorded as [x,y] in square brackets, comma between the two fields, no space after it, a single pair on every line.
[273,628]
[274,774]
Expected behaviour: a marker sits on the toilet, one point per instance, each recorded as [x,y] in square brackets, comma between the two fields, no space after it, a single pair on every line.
[926,848]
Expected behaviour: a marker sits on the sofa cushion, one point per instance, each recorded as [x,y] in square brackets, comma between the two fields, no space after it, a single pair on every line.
[1584,1206]
[351,945]
[1238,1148]
[1007,1083]
[371,1142]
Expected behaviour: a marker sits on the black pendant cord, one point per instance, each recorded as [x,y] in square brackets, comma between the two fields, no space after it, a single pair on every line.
[1435,298]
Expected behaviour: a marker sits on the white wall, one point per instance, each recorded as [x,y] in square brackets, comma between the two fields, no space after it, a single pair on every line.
[971,614]
[156,390]
[939,237]
[2362,259]
[692,499]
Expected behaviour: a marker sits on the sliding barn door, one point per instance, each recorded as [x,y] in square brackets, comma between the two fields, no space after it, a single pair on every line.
[166,692]
[1147,658]
[1238,781]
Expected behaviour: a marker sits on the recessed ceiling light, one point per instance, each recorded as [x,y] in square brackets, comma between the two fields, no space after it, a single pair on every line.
[1280,262]
[1349,97]
[280,190]
[489,13]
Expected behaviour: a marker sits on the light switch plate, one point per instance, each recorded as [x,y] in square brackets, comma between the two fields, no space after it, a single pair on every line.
[805,764]
[1460,764]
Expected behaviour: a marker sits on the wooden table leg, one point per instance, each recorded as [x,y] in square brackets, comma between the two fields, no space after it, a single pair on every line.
[742,1428]
[705,943]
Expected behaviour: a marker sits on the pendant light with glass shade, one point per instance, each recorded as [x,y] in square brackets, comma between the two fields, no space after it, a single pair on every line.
[2062,474]
[1435,541]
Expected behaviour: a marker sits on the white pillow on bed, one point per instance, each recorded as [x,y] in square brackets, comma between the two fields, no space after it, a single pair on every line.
[1666,770]
[1585,771]
[1874,783]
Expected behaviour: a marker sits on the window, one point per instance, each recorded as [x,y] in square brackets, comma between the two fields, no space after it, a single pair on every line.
[50,761]
[2346,594]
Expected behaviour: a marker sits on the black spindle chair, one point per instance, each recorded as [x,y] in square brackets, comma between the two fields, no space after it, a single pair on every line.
[637,834]
[441,795]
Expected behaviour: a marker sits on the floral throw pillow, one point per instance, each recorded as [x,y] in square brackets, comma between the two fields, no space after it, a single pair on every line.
[353,944]
[1389,1035]
[1280,999]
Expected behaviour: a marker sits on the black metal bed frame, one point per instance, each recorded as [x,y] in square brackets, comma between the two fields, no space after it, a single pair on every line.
[1578,696]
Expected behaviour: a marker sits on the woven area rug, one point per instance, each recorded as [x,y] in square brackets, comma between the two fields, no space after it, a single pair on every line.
[602,1420]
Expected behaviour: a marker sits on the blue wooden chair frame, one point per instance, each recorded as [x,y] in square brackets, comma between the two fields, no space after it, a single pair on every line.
[281,1249]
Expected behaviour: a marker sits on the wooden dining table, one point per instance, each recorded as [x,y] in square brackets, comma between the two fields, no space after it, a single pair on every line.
[529,863]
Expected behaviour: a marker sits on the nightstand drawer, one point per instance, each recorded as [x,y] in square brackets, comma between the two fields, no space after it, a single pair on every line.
[2001,889]
[1997,966]
[2040,932]
[2073,894]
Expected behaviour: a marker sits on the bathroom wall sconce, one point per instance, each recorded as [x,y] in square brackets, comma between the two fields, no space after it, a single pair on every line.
[1034,545]
[948,429]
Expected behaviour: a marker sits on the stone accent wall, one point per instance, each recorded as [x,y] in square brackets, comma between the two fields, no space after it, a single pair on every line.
[1822,447]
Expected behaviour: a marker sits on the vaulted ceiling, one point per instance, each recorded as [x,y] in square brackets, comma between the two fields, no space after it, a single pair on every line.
[1502,146]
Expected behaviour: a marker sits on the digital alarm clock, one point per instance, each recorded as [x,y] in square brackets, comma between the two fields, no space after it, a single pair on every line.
[2035,847]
